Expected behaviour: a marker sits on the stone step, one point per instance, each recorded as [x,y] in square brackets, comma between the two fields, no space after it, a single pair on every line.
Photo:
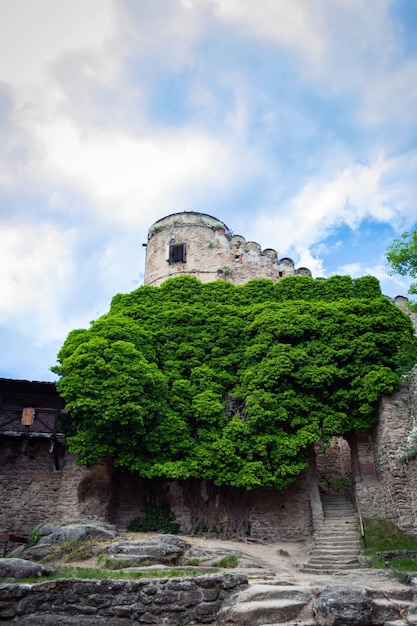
[329,560]
[262,603]
[260,591]
[328,569]
[399,593]
[330,550]
[332,538]
[336,544]
[340,531]
[348,541]
[387,609]
[276,611]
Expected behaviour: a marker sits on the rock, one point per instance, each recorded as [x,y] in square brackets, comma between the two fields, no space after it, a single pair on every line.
[343,606]
[51,619]
[21,568]
[50,534]
[165,549]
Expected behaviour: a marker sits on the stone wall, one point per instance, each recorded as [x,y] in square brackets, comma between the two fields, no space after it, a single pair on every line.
[391,492]
[33,492]
[117,602]
[271,515]
[398,483]
[211,252]
[335,460]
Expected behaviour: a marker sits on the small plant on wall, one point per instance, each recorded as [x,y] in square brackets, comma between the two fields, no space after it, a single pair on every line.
[410,452]
[339,485]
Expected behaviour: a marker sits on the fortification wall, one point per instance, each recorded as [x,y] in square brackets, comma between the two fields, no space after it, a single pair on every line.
[201,245]
[391,492]
[33,492]
[397,480]
[269,514]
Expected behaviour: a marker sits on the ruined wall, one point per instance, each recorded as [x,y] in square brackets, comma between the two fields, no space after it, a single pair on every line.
[33,492]
[392,492]
[397,417]
[271,515]
[192,600]
[211,252]
[334,460]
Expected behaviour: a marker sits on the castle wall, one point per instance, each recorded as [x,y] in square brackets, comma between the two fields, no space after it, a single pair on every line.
[33,492]
[391,492]
[211,252]
[270,515]
[397,480]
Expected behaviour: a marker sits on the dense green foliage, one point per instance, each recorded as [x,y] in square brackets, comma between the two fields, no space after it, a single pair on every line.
[402,256]
[231,384]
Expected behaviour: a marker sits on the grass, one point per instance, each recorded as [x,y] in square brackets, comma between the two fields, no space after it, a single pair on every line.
[115,564]
[227,561]
[68,571]
[74,550]
[384,536]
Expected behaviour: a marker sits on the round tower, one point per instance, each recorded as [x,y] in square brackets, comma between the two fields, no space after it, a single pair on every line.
[186,243]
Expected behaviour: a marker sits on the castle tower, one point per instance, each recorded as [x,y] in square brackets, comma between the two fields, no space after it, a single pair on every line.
[200,245]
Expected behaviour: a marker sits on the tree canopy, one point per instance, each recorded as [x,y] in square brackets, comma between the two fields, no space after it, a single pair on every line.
[402,257]
[231,384]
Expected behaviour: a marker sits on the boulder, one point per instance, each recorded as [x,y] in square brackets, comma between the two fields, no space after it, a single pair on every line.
[50,534]
[164,549]
[21,568]
[343,606]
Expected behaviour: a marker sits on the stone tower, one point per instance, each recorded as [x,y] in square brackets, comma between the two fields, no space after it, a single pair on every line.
[200,245]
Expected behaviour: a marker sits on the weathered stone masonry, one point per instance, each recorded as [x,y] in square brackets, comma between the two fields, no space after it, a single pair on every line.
[201,245]
[149,601]
[34,491]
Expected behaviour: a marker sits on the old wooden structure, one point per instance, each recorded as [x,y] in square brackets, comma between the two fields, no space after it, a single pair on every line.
[31,410]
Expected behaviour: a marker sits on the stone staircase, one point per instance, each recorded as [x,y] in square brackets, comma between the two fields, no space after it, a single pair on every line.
[336,543]
[275,604]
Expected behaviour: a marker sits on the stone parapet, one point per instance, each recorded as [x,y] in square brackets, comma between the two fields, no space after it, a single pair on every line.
[151,600]
[200,245]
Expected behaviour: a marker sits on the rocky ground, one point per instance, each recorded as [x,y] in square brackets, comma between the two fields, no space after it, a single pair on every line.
[280,561]
[280,592]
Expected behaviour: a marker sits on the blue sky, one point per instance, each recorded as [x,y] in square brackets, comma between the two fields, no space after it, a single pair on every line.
[292,121]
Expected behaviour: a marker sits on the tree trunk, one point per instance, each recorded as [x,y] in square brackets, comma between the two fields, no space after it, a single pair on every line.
[237,504]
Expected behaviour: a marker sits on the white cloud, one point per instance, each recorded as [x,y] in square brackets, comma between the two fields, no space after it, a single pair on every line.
[283,22]
[128,178]
[36,266]
[33,34]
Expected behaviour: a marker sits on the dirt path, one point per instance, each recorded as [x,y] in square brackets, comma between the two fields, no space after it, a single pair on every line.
[282,561]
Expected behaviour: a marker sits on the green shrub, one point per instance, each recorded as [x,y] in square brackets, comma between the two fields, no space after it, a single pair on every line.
[228,561]
[158,516]
[34,537]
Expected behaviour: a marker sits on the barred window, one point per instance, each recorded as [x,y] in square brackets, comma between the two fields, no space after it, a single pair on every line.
[177,253]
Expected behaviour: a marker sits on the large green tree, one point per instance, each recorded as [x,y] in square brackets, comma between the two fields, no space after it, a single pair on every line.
[231,384]
[402,257]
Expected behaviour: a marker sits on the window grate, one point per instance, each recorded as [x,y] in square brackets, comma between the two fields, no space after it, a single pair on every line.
[177,253]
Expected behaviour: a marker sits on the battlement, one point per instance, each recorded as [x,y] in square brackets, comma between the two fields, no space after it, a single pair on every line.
[201,245]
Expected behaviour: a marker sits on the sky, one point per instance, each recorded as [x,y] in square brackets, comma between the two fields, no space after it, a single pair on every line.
[292,121]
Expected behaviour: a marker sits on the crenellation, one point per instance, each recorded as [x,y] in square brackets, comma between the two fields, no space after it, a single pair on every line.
[204,247]
[35,491]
